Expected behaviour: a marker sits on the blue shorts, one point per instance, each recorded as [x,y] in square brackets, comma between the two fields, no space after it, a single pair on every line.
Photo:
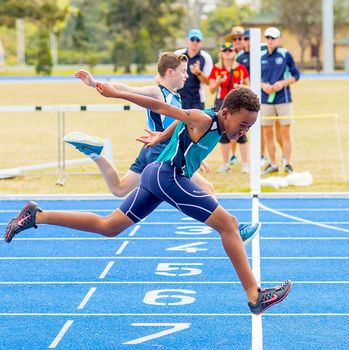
[147,156]
[160,182]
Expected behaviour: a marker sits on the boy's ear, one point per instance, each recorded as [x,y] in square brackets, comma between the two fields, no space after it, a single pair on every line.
[224,113]
[169,72]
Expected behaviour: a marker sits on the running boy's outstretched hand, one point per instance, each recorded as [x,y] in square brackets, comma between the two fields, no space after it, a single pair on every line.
[106,89]
[86,77]
[152,139]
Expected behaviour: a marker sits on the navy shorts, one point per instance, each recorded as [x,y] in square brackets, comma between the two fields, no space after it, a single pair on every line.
[160,182]
[147,156]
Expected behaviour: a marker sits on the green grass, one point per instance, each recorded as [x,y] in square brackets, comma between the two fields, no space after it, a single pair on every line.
[31,138]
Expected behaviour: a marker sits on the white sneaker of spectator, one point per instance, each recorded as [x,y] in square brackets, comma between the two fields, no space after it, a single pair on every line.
[245,168]
[224,168]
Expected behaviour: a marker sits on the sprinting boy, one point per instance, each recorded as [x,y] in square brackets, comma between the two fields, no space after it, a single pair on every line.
[168,179]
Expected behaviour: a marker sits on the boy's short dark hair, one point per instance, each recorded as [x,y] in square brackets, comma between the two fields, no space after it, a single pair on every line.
[241,98]
[169,60]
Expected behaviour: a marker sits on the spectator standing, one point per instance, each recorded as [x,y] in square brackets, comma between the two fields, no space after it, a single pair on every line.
[225,76]
[279,71]
[199,68]
[243,57]
[236,37]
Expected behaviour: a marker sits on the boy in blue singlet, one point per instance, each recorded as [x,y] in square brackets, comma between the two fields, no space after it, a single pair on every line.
[172,69]
[168,179]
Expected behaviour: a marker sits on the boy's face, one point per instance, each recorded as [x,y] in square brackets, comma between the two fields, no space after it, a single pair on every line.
[179,75]
[238,123]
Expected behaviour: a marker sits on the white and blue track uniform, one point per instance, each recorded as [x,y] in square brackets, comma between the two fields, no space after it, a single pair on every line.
[168,179]
[156,122]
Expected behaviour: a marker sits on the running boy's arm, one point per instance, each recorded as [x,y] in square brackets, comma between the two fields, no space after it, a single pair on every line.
[155,137]
[194,118]
[151,91]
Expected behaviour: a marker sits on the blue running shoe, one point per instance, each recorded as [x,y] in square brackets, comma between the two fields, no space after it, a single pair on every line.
[24,220]
[269,297]
[247,232]
[92,146]
[233,159]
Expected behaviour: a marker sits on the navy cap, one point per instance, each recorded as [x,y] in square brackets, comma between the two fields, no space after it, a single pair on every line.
[246,33]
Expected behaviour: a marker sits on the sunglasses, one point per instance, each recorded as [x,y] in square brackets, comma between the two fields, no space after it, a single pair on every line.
[227,50]
[270,37]
[195,39]
[237,39]
[246,39]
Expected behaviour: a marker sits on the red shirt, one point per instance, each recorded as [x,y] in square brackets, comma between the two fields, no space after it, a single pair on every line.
[239,74]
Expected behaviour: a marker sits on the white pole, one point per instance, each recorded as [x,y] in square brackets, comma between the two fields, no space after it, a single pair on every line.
[53,47]
[327,35]
[255,134]
[20,41]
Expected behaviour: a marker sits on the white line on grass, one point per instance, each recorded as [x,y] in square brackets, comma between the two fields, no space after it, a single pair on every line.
[86,298]
[61,334]
[107,269]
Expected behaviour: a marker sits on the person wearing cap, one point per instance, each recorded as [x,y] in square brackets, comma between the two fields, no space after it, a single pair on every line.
[279,71]
[199,68]
[236,37]
[225,76]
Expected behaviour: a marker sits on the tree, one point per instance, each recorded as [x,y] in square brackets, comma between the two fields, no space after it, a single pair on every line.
[304,19]
[134,22]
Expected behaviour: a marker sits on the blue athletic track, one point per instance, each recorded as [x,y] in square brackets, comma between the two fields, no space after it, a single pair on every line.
[166,282]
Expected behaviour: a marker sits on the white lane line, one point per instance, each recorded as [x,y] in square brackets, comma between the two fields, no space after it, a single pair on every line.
[122,247]
[156,282]
[135,229]
[176,210]
[302,220]
[61,334]
[241,222]
[257,326]
[170,238]
[107,269]
[167,258]
[86,298]
[329,314]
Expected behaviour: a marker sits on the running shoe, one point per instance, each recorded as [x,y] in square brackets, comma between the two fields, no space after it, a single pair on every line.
[270,296]
[224,168]
[91,146]
[247,233]
[270,169]
[24,220]
[288,169]
[233,159]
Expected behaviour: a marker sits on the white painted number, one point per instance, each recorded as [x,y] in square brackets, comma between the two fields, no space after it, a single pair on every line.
[175,327]
[152,296]
[188,248]
[193,230]
[163,269]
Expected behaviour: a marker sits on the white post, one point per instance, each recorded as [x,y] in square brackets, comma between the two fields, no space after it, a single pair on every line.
[255,134]
[327,36]
[53,48]
[108,150]
[20,41]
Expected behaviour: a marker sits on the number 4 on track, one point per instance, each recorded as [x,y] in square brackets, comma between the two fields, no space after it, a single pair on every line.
[175,327]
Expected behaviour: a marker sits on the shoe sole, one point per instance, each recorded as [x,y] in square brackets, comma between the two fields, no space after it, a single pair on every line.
[8,237]
[277,301]
[83,139]
[254,235]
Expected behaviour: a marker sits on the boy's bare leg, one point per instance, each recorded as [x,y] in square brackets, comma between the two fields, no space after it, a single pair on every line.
[227,226]
[110,225]
[118,186]
[205,185]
